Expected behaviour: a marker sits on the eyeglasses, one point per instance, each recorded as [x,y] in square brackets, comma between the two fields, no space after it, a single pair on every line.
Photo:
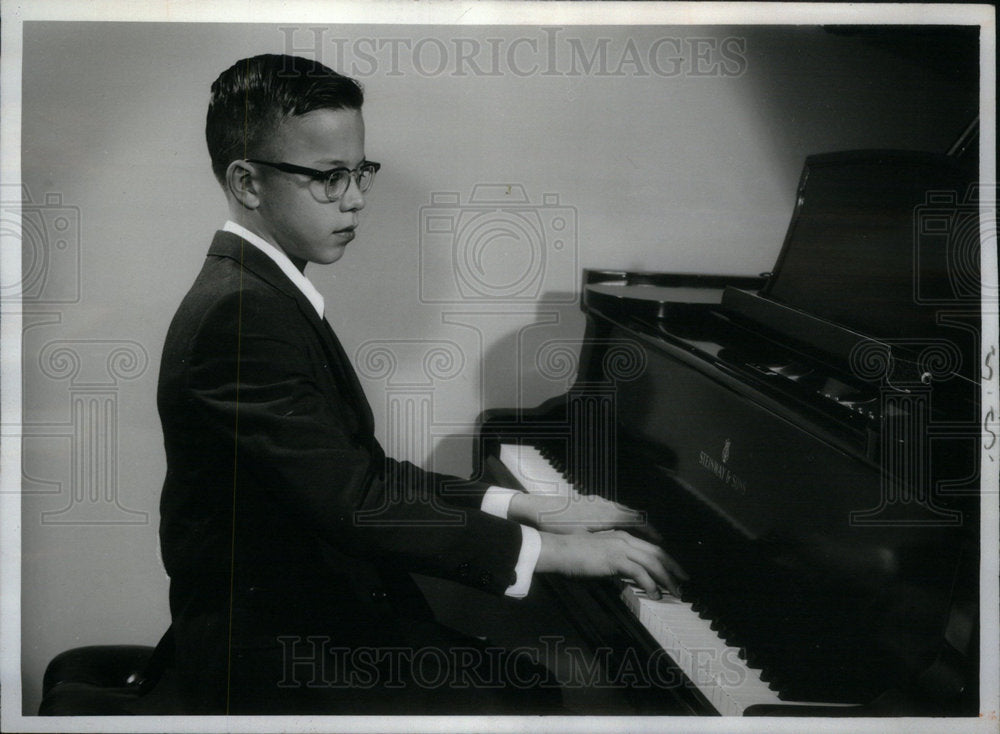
[335,181]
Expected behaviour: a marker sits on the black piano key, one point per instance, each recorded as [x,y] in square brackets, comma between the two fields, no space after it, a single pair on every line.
[690,591]
[731,639]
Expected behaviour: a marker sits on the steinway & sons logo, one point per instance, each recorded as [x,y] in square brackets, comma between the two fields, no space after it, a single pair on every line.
[718,468]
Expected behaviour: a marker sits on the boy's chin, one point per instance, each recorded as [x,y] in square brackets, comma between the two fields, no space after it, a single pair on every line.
[329,256]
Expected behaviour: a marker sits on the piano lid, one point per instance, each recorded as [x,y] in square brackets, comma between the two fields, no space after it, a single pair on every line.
[880,242]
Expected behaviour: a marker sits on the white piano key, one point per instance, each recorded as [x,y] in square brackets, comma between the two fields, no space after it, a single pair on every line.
[534,471]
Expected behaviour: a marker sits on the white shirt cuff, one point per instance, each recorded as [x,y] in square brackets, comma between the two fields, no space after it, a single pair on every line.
[496,501]
[531,548]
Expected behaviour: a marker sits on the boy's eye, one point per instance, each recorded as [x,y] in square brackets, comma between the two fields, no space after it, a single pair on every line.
[337,178]
[337,184]
[338,181]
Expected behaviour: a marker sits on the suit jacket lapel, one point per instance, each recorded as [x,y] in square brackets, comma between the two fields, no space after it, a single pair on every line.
[227,244]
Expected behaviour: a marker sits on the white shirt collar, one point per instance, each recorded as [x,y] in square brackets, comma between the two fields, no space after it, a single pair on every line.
[281,260]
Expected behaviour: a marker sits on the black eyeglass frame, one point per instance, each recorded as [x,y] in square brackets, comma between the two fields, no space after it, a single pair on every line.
[325,175]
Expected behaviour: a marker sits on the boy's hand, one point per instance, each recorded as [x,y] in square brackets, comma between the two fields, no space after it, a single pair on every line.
[577,514]
[611,553]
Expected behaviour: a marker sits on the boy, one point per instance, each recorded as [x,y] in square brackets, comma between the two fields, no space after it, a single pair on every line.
[272,460]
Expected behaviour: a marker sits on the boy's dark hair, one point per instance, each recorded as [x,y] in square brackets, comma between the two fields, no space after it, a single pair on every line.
[250,99]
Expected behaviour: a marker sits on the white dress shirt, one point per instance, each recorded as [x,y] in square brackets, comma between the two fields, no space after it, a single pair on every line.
[496,500]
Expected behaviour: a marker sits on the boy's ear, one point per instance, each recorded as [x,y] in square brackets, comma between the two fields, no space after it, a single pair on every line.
[241,184]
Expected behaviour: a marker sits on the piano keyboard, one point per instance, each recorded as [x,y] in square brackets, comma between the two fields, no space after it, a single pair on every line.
[714,667]
[535,473]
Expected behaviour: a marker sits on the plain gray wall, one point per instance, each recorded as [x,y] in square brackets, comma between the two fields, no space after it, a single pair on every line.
[693,171]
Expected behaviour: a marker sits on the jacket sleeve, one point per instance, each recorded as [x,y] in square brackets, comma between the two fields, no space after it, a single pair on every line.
[450,490]
[253,387]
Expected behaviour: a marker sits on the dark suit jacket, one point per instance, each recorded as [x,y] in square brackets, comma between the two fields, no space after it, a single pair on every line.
[271,457]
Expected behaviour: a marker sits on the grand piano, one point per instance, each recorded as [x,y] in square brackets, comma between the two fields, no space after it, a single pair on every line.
[806,442]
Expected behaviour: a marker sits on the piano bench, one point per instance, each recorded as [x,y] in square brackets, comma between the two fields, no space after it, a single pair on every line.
[98,680]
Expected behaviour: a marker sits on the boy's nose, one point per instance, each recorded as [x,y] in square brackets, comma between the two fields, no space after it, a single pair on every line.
[353,199]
